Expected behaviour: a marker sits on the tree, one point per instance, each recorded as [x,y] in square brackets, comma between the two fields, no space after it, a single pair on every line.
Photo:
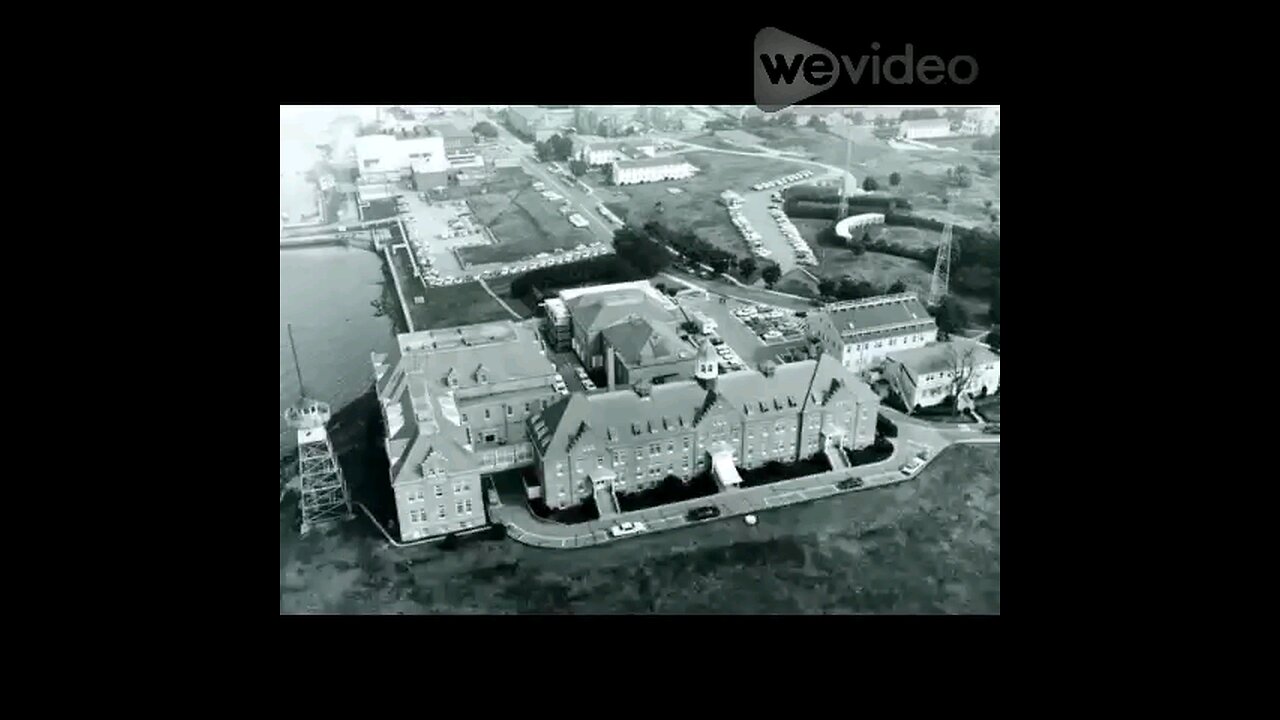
[827,287]
[608,174]
[960,367]
[720,264]
[485,128]
[645,255]
[747,266]
[870,184]
[859,118]
[950,316]
[560,147]
[895,178]
[859,245]
[898,287]
[771,274]
[690,327]
[817,123]
[787,119]
[994,311]
[541,151]
[578,167]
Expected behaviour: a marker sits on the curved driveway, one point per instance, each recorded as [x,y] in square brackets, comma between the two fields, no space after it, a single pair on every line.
[914,435]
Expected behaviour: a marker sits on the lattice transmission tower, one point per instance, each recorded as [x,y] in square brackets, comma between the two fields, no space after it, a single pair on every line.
[324,497]
[941,268]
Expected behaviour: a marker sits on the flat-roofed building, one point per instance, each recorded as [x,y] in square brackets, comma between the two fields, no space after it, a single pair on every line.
[631,172]
[924,128]
[860,333]
[929,375]
[388,158]
[454,404]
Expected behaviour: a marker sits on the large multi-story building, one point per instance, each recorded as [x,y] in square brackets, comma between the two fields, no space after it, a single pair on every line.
[631,172]
[600,444]
[981,121]
[638,350]
[926,376]
[454,404]
[388,158]
[539,123]
[607,119]
[607,153]
[860,333]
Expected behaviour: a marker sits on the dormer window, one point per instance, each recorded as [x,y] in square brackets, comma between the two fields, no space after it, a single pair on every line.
[482,375]
[451,379]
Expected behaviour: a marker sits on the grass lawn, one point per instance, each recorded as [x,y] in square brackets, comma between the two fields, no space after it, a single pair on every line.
[446,306]
[775,471]
[698,208]
[797,282]
[524,222]
[929,545]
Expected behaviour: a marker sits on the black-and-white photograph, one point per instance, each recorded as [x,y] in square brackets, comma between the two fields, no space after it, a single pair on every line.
[640,359]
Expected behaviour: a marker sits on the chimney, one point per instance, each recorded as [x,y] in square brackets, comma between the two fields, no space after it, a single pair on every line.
[643,388]
[767,368]
[608,366]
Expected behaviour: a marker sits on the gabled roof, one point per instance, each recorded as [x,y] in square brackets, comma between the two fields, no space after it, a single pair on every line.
[504,350]
[596,312]
[857,318]
[939,357]
[640,342]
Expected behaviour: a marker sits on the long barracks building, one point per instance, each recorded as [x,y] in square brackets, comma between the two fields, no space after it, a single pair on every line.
[860,333]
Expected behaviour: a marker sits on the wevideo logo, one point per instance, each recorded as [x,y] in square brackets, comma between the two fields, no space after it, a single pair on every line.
[789,69]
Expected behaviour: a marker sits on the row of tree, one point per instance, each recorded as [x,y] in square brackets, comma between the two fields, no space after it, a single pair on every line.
[556,148]
[692,247]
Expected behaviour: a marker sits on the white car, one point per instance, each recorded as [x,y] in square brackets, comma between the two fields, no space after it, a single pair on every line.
[627,528]
[913,465]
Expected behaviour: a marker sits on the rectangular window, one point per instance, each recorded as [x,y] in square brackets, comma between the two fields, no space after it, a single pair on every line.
[559,468]
[655,449]
[600,461]
[486,413]
[413,515]
[439,490]
[441,513]
[457,488]
[464,418]
[526,408]
[458,506]
[686,443]
[468,505]
[639,453]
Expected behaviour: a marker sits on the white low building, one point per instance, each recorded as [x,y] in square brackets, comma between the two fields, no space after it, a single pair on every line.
[929,375]
[394,156]
[631,172]
[862,332]
[925,128]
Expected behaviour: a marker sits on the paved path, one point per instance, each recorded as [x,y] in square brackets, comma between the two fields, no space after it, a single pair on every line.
[768,153]
[914,436]
[494,295]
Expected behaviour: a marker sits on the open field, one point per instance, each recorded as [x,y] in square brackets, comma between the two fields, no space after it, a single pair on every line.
[698,208]
[930,545]
[923,171]
[524,223]
[444,306]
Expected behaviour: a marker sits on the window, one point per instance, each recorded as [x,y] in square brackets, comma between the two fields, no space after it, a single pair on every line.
[486,413]
[686,443]
[413,515]
[439,490]
[526,408]
[639,453]
[600,461]
[441,513]
[559,468]
[458,506]
[510,411]
[468,505]
[464,418]
[671,446]
[457,488]
[655,448]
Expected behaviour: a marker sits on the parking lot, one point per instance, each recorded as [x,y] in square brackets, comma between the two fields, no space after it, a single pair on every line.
[439,227]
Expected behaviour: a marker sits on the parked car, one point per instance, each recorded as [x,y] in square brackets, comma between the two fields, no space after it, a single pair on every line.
[912,466]
[991,428]
[627,528]
[849,484]
[706,512]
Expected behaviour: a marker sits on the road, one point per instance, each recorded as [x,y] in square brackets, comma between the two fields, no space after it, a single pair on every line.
[582,202]
[914,436]
[768,153]
[494,295]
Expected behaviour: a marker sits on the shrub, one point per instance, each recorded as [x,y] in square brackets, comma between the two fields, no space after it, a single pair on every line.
[886,427]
